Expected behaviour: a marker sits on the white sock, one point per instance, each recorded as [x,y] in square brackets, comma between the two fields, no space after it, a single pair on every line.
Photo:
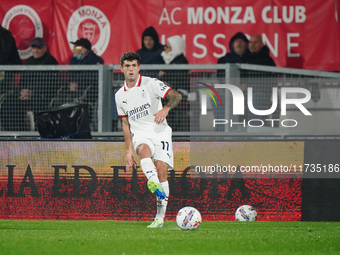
[162,203]
[149,169]
[165,186]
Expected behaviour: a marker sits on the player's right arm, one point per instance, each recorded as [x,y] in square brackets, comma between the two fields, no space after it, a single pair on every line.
[129,157]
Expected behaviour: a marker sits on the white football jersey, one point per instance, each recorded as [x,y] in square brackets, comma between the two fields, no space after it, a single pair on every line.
[140,103]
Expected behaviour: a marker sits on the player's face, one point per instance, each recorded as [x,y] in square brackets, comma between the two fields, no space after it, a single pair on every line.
[130,69]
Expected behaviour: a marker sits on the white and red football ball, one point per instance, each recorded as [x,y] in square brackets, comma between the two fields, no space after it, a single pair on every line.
[188,218]
[246,213]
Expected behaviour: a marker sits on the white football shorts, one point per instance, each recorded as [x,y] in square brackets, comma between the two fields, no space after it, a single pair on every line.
[160,149]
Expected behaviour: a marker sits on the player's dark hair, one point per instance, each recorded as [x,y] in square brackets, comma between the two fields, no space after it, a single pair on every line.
[129,56]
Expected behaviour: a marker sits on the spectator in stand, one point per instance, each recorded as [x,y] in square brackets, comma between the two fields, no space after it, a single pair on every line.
[45,84]
[238,46]
[174,54]
[179,118]
[261,82]
[40,56]
[15,108]
[71,94]
[83,54]
[258,52]
[151,50]
[8,49]
[8,56]
[87,81]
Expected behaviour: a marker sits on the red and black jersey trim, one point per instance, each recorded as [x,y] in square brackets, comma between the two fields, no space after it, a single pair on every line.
[166,92]
[139,81]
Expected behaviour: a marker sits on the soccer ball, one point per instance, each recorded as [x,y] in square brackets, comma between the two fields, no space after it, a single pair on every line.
[188,218]
[245,213]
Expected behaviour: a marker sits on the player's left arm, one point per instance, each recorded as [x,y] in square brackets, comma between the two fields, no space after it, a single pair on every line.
[173,100]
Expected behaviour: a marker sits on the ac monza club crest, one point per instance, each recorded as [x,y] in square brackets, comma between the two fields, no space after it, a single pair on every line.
[91,23]
[25,24]
[88,31]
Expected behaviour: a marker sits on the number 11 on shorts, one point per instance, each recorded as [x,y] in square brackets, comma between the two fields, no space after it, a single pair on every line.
[165,145]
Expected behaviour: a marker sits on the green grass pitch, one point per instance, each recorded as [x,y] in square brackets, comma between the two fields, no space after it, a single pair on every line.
[132,237]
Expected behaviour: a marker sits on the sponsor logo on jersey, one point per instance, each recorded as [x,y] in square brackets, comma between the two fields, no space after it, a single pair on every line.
[163,86]
[139,112]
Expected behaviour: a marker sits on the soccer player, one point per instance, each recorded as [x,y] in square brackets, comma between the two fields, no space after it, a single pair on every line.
[145,128]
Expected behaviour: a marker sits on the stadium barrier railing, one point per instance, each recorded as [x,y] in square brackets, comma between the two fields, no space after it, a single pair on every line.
[53,86]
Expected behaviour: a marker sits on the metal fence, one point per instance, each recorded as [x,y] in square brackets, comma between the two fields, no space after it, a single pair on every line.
[207,109]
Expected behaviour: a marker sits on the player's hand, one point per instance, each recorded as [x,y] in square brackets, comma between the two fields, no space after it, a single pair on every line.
[130,161]
[161,115]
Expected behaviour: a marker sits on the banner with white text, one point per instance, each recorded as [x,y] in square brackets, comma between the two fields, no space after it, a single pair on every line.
[299,34]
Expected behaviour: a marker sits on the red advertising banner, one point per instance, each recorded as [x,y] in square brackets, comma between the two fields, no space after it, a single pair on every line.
[27,21]
[88,180]
[300,34]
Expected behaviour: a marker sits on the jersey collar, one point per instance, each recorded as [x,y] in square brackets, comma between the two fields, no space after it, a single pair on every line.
[138,82]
